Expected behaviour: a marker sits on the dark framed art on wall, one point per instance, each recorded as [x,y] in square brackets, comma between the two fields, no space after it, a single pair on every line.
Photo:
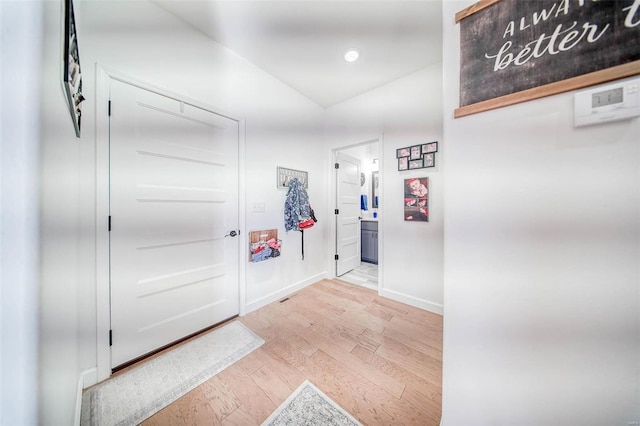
[72,75]
[430,147]
[403,163]
[429,160]
[415,164]
[403,152]
[513,51]
[416,152]
[417,156]
[416,199]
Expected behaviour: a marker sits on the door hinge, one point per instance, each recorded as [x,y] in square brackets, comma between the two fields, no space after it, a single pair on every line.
[109,108]
[337,211]
[110,337]
[337,165]
[337,257]
[109,223]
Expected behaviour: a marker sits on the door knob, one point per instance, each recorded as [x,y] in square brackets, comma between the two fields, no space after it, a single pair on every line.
[233,233]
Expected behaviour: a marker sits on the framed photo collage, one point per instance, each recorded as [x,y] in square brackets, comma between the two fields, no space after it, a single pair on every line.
[417,156]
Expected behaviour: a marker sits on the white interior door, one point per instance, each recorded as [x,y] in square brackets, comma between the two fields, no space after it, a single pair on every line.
[348,218]
[173,205]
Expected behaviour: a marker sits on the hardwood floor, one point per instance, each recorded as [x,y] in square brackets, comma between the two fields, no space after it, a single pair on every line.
[378,359]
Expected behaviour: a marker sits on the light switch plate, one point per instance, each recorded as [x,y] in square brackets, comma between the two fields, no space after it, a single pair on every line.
[258,207]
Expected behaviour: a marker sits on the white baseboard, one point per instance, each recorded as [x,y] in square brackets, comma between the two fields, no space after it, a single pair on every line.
[79,389]
[89,377]
[270,298]
[370,287]
[436,308]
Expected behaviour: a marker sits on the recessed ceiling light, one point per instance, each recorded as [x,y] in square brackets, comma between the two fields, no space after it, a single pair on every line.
[351,55]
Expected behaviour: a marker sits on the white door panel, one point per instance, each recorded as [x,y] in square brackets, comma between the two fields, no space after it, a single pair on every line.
[348,219]
[173,198]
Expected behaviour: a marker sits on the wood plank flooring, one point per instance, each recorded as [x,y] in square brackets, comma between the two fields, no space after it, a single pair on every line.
[379,359]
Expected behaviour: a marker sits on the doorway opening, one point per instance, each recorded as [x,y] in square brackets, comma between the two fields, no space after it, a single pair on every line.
[358,202]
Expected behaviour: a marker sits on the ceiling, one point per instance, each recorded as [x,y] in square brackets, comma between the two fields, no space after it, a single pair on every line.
[302,42]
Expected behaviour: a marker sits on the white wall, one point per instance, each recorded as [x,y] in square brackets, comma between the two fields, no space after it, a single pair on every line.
[541,262]
[59,236]
[408,112]
[20,63]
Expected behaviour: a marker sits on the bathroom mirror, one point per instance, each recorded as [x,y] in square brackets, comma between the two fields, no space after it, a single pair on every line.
[374,190]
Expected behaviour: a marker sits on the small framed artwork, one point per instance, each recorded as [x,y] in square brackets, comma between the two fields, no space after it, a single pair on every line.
[429,160]
[417,156]
[415,164]
[416,152]
[430,147]
[72,77]
[403,163]
[402,152]
[285,175]
[416,199]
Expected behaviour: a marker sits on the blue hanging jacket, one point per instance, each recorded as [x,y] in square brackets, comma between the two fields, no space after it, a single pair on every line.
[296,205]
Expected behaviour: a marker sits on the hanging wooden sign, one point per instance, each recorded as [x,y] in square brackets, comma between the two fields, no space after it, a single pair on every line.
[512,51]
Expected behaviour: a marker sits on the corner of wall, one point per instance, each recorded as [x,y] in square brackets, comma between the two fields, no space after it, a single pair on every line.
[427,305]
[284,292]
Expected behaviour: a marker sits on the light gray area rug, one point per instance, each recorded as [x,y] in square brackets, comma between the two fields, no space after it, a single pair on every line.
[135,395]
[308,406]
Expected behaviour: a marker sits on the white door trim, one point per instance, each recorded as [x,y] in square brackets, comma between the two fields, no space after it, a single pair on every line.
[104,76]
[381,208]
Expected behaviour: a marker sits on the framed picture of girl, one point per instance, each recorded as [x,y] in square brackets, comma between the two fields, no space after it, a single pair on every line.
[415,164]
[429,160]
[416,152]
[416,199]
[403,163]
[402,152]
[430,147]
